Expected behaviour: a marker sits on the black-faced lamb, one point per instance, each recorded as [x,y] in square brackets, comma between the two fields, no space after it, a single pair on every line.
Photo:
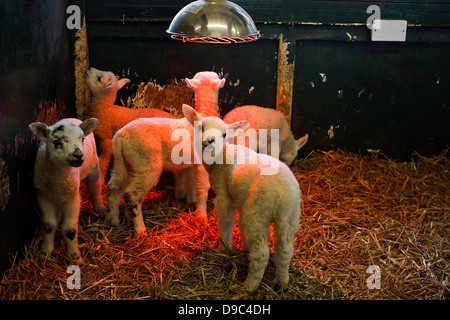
[66,155]
[245,181]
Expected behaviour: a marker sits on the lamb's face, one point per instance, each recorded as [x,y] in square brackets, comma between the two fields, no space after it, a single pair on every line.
[290,148]
[98,80]
[288,156]
[214,131]
[65,144]
[64,139]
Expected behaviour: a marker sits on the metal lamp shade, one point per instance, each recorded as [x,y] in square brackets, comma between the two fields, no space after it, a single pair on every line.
[207,21]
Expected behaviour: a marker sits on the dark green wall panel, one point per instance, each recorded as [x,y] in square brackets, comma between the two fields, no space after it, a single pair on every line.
[392,97]
[36,83]
[423,12]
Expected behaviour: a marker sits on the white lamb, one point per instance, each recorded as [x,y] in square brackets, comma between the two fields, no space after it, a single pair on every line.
[206,85]
[104,86]
[237,177]
[265,118]
[66,155]
[142,150]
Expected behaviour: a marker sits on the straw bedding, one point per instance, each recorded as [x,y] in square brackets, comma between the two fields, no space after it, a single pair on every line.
[357,211]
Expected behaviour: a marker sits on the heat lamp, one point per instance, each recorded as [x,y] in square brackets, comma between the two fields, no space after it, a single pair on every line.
[213,21]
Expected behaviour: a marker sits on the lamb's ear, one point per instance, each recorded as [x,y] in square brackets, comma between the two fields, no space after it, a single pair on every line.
[219,83]
[190,114]
[192,83]
[122,82]
[89,125]
[302,141]
[40,130]
[235,128]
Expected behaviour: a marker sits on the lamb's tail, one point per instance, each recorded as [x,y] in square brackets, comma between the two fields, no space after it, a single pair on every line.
[117,183]
[119,173]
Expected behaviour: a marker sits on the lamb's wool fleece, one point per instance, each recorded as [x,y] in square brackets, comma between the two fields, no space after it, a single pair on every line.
[142,150]
[260,199]
[265,118]
[206,85]
[62,161]
[104,86]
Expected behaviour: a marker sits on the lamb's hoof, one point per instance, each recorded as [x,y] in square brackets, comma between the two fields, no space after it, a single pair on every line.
[227,249]
[251,285]
[282,280]
[180,196]
[75,257]
[201,217]
[191,199]
[110,221]
[140,235]
[101,212]
[42,255]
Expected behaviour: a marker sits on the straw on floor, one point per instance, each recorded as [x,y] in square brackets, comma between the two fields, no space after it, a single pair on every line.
[358,211]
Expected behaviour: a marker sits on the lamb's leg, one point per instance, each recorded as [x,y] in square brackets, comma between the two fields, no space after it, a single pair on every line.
[244,241]
[104,158]
[225,220]
[256,238]
[115,189]
[201,189]
[114,192]
[140,184]
[180,184]
[69,228]
[49,223]
[285,231]
[94,186]
[191,182]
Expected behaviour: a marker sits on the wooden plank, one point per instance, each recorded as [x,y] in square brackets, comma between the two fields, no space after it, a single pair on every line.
[285,79]
[387,96]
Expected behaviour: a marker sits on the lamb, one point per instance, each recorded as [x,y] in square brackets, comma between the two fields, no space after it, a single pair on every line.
[206,86]
[66,155]
[104,86]
[265,118]
[260,198]
[142,150]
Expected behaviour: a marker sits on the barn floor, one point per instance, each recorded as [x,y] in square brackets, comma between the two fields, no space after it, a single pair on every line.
[358,211]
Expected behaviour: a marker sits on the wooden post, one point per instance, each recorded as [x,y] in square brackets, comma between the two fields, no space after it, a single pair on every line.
[285,79]
[81,53]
